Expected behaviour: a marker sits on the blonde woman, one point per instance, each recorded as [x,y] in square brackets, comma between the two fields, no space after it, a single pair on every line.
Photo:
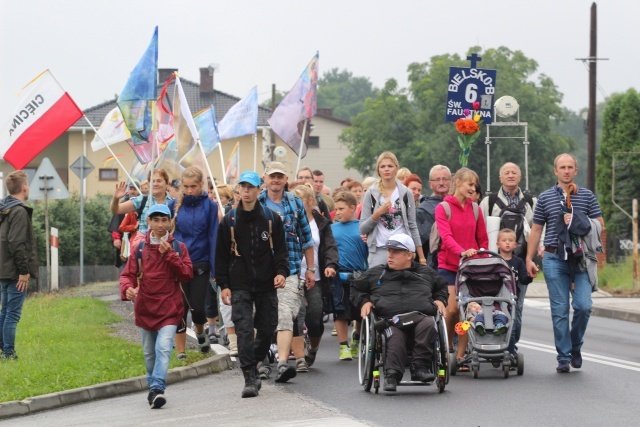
[195,222]
[388,208]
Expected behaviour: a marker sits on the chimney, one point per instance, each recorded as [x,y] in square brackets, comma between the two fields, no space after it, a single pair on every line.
[206,80]
[164,74]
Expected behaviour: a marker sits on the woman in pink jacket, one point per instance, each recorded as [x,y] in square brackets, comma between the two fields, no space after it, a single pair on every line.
[461,235]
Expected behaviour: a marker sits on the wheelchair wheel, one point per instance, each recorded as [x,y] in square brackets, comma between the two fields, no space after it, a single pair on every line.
[520,361]
[365,353]
[443,348]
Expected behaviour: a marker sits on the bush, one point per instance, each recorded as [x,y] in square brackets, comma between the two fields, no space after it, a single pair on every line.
[65,216]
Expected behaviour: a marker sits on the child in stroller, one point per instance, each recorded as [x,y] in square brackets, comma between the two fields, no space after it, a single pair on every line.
[475,316]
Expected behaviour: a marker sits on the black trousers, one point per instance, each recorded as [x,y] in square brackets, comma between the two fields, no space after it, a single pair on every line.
[194,294]
[422,339]
[253,350]
[211,302]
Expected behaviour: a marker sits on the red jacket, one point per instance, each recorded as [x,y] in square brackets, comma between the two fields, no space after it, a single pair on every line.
[159,300]
[459,233]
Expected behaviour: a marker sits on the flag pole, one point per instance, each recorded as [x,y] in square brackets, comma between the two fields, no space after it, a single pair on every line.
[213,182]
[224,173]
[255,152]
[112,153]
[304,131]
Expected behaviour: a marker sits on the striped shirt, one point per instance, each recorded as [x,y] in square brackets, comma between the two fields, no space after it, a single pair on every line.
[550,204]
[296,227]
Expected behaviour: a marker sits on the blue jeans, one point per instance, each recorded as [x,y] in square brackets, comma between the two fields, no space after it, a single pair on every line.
[157,347]
[559,274]
[517,322]
[12,301]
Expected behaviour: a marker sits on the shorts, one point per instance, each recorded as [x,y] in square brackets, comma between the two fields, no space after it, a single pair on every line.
[289,299]
[339,303]
[449,276]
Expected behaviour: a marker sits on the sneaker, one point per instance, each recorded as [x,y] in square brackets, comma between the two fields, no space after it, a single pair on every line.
[11,356]
[156,399]
[334,332]
[500,329]
[213,339]
[563,367]
[203,342]
[285,373]
[182,356]
[345,353]
[480,329]
[264,371]
[301,366]
[576,359]
[355,344]
[310,356]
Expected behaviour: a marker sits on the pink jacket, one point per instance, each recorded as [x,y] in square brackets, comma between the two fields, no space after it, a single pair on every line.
[459,233]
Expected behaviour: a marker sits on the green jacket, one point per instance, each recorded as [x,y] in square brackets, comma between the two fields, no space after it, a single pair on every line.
[18,254]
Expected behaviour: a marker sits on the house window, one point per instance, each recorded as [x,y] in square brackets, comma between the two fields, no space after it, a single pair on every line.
[314,142]
[108,174]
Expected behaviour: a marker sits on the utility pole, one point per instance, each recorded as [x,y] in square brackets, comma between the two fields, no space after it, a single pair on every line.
[591,136]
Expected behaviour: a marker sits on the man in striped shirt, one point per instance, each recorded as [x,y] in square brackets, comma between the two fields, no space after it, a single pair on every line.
[563,276]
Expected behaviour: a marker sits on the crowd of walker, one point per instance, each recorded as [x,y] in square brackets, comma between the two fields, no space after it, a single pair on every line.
[258,269]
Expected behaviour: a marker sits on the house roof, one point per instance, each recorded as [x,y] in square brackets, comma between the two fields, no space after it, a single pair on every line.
[196,100]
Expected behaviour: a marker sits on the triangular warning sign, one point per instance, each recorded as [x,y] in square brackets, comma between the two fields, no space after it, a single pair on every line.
[55,187]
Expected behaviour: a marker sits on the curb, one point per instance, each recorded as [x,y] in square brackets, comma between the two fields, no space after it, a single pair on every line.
[612,313]
[59,399]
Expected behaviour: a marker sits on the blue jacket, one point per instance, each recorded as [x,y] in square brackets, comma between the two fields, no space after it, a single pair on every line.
[197,228]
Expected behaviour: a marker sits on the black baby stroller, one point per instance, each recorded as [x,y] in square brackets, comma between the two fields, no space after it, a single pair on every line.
[489,281]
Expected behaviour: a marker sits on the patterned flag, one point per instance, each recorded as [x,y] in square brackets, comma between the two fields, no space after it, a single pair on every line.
[242,118]
[112,130]
[207,130]
[298,105]
[137,99]
[170,161]
[183,124]
[45,111]
[233,167]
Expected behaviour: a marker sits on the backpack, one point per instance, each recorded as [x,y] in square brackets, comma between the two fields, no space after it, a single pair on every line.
[513,219]
[268,213]
[434,237]
[174,243]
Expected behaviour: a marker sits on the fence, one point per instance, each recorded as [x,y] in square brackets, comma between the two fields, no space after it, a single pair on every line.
[69,276]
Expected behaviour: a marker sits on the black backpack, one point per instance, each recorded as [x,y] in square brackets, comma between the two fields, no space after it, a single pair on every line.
[513,218]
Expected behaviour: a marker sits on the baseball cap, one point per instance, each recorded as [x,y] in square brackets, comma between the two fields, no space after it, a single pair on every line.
[275,167]
[250,177]
[133,183]
[401,241]
[159,210]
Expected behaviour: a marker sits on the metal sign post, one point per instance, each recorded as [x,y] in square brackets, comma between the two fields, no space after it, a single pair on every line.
[82,167]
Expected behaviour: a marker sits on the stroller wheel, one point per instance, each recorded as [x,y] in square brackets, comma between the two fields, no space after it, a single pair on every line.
[476,370]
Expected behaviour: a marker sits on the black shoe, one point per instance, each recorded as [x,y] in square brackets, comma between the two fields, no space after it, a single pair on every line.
[156,399]
[213,339]
[285,373]
[390,380]
[576,359]
[251,383]
[563,367]
[422,374]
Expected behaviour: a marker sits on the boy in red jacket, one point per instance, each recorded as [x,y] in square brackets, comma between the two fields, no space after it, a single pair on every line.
[152,279]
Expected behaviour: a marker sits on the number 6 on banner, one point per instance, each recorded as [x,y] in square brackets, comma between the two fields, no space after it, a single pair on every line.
[470,93]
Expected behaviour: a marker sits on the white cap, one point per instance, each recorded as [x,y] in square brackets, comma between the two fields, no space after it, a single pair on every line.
[401,241]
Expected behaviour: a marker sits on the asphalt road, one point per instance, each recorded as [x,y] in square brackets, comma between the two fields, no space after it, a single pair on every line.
[604,392]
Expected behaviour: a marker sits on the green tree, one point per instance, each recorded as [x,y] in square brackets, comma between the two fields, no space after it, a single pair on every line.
[620,132]
[431,140]
[65,216]
[344,93]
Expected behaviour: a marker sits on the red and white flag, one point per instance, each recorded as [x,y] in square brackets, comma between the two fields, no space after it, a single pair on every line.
[45,112]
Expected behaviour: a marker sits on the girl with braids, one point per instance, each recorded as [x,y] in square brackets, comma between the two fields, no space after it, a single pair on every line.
[388,208]
[195,222]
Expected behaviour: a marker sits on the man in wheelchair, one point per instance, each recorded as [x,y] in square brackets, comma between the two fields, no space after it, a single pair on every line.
[403,286]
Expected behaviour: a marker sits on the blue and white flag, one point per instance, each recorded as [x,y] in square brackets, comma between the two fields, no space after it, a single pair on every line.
[242,118]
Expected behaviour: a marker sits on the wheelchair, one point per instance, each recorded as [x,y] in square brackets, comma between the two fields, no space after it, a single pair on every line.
[372,351]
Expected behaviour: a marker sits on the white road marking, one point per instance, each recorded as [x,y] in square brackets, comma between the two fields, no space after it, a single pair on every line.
[542,304]
[591,357]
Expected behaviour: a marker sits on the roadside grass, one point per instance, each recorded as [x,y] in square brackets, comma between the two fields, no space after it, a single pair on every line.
[66,343]
[617,279]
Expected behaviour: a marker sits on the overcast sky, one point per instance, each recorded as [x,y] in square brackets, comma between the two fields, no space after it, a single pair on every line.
[91,46]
